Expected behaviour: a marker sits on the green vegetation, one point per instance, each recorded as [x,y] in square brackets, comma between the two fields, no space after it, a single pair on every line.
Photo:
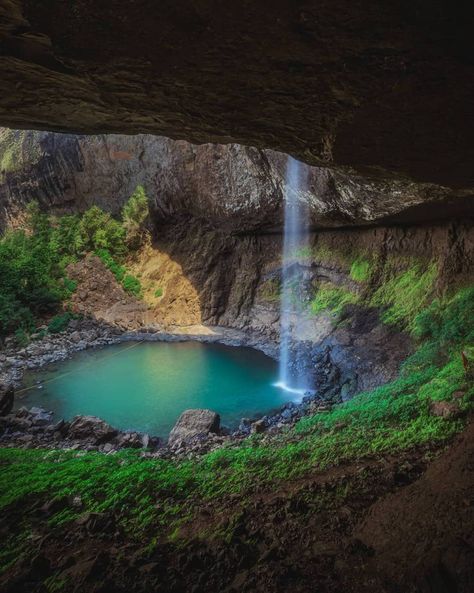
[164,493]
[404,286]
[404,294]
[134,215]
[98,230]
[130,283]
[16,151]
[158,293]
[270,290]
[32,275]
[360,270]
[332,299]
[60,322]
[33,262]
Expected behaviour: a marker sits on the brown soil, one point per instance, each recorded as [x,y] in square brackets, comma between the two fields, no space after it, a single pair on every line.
[394,524]
[101,297]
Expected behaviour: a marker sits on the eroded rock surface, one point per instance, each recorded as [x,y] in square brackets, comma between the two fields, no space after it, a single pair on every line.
[7,395]
[230,187]
[386,85]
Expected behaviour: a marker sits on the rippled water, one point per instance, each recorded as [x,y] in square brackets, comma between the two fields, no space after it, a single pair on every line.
[146,386]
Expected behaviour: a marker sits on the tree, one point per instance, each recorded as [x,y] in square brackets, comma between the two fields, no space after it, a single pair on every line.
[98,230]
[134,214]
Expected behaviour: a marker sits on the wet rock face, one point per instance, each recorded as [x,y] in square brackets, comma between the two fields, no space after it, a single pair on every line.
[7,394]
[333,81]
[229,187]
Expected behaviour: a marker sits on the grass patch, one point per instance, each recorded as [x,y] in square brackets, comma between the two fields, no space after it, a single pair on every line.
[332,299]
[360,270]
[405,294]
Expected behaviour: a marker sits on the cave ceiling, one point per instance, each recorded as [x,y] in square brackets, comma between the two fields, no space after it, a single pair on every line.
[382,87]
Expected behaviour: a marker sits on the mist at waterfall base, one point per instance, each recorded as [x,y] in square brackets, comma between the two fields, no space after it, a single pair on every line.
[291,376]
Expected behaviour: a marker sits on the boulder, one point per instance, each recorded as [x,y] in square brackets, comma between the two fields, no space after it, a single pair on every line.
[7,395]
[258,427]
[91,428]
[40,417]
[194,423]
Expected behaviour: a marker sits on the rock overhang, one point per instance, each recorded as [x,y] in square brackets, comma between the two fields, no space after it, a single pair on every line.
[379,87]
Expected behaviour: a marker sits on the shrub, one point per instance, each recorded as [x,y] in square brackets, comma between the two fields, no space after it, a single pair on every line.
[128,282]
[60,322]
[98,230]
[65,237]
[132,285]
[22,338]
[134,214]
[158,293]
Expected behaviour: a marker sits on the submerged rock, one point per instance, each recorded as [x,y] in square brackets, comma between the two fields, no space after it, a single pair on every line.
[194,423]
[7,395]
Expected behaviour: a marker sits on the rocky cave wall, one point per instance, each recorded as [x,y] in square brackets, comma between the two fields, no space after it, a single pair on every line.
[229,186]
[386,86]
[215,254]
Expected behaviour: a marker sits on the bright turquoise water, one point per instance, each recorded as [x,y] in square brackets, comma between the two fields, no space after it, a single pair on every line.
[146,387]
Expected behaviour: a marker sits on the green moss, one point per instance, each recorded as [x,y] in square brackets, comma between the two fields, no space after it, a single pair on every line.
[10,150]
[332,299]
[360,270]
[270,290]
[55,584]
[18,149]
[405,294]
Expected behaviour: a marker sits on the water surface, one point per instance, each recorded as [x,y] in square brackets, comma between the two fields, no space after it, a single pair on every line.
[146,386]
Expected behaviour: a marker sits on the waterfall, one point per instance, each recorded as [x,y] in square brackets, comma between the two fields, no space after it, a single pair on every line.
[295,237]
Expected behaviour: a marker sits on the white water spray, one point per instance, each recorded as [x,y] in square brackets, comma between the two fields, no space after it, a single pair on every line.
[295,235]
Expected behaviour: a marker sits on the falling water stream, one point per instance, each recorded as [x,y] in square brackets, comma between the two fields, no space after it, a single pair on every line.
[295,238]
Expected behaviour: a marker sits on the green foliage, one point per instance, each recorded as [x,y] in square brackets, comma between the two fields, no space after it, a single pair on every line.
[98,230]
[65,239]
[60,322]
[405,294]
[451,321]
[30,277]
[21,337]
[332,299]
[134,214]
[33,282]
[158,293]
[130,283]
[360,270]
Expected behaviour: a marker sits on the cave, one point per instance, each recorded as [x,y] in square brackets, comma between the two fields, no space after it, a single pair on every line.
[236,296]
